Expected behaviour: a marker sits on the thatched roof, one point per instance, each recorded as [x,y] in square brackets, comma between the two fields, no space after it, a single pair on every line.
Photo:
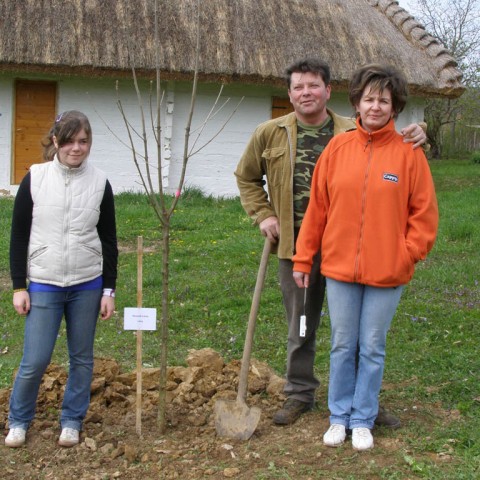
[250,41]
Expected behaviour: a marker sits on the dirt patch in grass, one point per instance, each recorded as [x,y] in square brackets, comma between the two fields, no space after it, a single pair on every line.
[110,447]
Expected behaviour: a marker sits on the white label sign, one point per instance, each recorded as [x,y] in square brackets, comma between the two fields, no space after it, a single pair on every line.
[140,319]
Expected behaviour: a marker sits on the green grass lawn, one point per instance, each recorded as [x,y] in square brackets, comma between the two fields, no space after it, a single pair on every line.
[433,349]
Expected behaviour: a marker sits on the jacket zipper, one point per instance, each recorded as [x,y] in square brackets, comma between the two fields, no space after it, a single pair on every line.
[364,199]
[66,223]
[292,170]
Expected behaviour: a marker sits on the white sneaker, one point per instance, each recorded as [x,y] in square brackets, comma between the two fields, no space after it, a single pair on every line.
[69,437]
[335,435]
[362,439]
[15,437]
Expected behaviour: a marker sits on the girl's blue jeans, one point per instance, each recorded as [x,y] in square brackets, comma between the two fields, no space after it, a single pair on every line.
[42,324]
[360,318]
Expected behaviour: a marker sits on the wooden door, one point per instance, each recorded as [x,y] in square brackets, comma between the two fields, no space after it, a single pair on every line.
[281,106]
[35,107]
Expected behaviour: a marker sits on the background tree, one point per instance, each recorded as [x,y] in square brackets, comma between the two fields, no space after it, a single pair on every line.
[455,23]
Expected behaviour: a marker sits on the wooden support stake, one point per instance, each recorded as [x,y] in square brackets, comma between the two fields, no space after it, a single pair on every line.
[138,417]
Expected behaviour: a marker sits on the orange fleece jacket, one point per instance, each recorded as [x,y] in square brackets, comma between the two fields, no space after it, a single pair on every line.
[372,209]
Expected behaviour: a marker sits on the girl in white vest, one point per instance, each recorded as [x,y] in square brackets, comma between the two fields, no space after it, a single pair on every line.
[63,264]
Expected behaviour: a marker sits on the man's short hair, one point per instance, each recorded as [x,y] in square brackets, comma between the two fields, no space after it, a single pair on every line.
[309,65]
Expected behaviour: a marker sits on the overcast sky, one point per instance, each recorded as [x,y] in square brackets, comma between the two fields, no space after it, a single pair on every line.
[404,4]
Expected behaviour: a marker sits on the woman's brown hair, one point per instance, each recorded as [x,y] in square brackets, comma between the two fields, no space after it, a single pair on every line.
[379,77]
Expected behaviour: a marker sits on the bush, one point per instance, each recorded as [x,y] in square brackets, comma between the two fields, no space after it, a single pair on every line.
[476,156]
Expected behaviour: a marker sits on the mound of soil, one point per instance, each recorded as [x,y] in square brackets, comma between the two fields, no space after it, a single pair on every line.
[110,445]
[111,448]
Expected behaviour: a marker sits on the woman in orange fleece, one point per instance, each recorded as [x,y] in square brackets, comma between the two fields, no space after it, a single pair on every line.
[373,212]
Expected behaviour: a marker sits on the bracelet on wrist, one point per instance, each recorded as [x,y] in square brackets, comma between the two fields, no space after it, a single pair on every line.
[109,292]
[19,290]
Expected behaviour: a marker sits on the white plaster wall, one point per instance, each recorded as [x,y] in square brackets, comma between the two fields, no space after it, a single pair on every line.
[98,100]
[211,169]
[6,130]
[412,113]
[111,150]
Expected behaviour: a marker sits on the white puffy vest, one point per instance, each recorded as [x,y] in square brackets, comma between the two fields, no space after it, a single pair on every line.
[64,247]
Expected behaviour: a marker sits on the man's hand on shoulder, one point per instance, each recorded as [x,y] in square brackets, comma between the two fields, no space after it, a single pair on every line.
[415,133]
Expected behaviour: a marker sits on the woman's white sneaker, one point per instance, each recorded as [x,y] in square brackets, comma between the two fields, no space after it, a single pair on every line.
[335,435]
[69,437]
[362,439]
[15,437]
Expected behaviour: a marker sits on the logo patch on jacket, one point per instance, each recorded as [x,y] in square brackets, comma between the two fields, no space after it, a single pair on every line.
[390,177]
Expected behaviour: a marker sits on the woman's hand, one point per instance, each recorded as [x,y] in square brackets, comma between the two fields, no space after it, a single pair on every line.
[21,302]
[107,307]
[301,279]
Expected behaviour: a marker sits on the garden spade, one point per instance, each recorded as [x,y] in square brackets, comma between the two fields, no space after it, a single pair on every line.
[233,418]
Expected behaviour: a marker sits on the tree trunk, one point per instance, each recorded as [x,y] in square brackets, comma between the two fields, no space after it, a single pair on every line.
[162,391]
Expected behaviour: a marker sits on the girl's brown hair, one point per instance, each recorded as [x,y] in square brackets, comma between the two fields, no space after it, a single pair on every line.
[66,126]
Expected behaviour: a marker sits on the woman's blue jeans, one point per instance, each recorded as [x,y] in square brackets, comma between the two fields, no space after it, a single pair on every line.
[360,317]
[42,324]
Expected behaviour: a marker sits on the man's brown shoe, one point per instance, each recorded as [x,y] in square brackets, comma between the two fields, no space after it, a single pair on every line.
[291,411]
[387,419]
